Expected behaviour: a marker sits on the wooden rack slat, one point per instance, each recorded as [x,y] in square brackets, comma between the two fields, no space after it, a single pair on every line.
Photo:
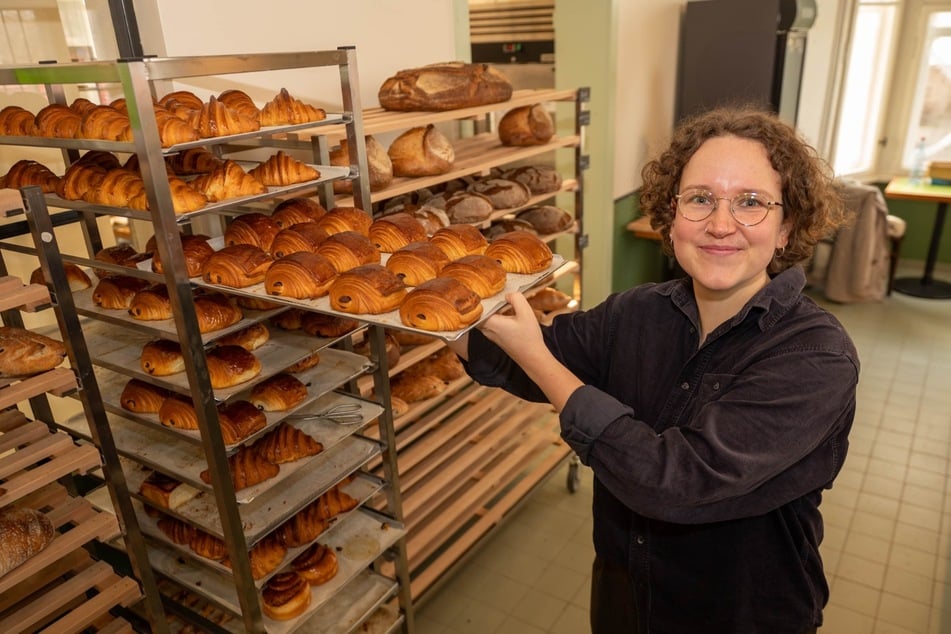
[57,381]
[68,458]
[16,294]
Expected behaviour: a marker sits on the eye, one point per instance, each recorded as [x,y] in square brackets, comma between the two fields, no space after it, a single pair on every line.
[749,202]
[700,198]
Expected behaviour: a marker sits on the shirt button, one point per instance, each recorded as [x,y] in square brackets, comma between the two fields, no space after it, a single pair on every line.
[685,386]
[640,539]
[716,385]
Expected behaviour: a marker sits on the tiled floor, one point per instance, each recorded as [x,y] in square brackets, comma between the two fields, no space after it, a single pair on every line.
[887,547]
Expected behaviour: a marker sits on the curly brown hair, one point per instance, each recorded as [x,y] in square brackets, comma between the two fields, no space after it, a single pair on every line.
[809,199]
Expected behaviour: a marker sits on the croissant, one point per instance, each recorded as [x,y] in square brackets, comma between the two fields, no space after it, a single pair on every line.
[324,325]
[282,169]
[278,393]
[106,123]
[250,338]
[305,236]
[333,502]
[142,397]
[56,121]
[184,198]
[302,528]
[292,211]
[286,110]
[394,231]
[81,105]
[215,311]
[241,103]
[193,161]
[119,105]
[265,556]
[412,388]
[256,303]
[162,358]
[26,172]
[208,545]
[520,252]
[121,254]
[237,266]
[181,103]
[216,119]
[16,121]
[341,219]
[290,319]
[417,262]
[119,188]
[75,276]
[247,467]
[115,292]
[287,444]
[231,365]
[442,303]
[252,228]
[308,362]
[178,412]
[460,240]
[301,275]
[482,274]
[99,158]
[151,304]
[370,288]
[348,250]
[78,179]
[238,420]
[176,530]
[228,180]
[173,130]
[195,249]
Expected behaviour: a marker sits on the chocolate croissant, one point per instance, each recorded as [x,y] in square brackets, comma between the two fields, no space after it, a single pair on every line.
[121,254]
[301,275]
[231,365]
[162,358]
[484,275]
[443,303]
[238,420]
[115,292]
[394,231]
[214,311]
[278,393]
[226,181]
[250,338]
[193,161]
[178,411]
[142,397]
[286,443]
[324,325]
[296,210]
[348,250]
[520,252]
[371,288]
[237,266]
[151,304]
[252,228]
[304,236]
[196,251]
[340,219]
[282,169]
[460,240]
[247,467]
[286,110]
[417,262]
[215,119]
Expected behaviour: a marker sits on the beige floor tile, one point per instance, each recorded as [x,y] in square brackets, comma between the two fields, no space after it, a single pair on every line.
[877,504]
[830,561]
[425,625]
[927,497]
[929,462]
[928,445]
[849,480]
[839,620]
[867,547]
[514,625]
[576,557]
[573,620]
[880,485]
[941,596]
[940,622]
[886,469]
[891,453]
[916,537]
[562,583]
[923,478]
[921,516]
[541,609]
[909,585]
[835,514]
[478,618]
[855,596]
[861,570]
[502,593]
[445,608]
[882,627]
[895,439]
[912,560]
[582,598]
[834,537]
[904,613]
[874,525]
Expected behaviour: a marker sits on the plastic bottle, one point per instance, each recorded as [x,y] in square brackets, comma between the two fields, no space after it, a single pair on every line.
[917,175]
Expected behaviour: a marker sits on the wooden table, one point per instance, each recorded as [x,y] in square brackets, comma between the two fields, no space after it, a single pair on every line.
[926,285]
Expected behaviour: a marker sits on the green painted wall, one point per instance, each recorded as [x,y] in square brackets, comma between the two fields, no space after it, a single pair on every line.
[920,218]
[636,260]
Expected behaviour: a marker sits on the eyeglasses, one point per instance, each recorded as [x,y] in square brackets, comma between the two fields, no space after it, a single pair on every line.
[748,209]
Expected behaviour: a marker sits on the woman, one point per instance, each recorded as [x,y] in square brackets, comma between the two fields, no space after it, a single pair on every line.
[713,410]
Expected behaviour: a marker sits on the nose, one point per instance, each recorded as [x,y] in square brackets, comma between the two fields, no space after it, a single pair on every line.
[721,221]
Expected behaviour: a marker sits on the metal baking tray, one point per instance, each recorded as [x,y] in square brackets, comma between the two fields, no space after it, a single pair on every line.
[514,282]
[121,350]
[164,328]
[361,488]
[340,367]
[357,543]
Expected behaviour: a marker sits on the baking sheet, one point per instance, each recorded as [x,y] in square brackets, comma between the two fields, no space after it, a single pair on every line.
[121,350]
[340,367]
[357,543]
[361,488]
[514,282]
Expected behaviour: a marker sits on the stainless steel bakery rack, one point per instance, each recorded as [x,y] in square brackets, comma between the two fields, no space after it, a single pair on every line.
[370,542]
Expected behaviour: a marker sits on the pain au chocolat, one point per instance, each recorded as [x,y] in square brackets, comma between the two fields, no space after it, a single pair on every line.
[367,289]
[301,275]
[520,252]
[443,303]
[484,275]
[417,262]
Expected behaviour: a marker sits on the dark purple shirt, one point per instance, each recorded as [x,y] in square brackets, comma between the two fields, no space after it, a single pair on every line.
[709,461]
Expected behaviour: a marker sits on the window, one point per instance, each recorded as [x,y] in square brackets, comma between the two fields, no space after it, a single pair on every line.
[931,110]
[860,115]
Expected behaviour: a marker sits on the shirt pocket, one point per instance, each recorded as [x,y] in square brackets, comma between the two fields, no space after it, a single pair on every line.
[713,386]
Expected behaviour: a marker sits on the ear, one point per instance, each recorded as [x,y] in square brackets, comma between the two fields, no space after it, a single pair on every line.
[784,230]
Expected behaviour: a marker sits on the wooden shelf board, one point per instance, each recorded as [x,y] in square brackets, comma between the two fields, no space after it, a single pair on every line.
[15,294]
[59,457]
[57,381]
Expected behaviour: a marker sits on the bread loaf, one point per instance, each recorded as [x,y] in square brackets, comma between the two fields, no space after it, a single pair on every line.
[502,193]
[468,207]
[379,165]
[24,532]
[443,303]
[301,275]
[367,289]
[75,277]
[25,353]
[166,492]
[444,86]
[547,219]
[526,125]
[278,393]
[421,151]
[520,252]
[505,225]
[540,179]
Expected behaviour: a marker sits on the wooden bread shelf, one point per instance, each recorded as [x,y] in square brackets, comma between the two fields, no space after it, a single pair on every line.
[15,294]
[58,381]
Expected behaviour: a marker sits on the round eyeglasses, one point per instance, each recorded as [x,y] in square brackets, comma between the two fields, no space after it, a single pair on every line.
[748,209]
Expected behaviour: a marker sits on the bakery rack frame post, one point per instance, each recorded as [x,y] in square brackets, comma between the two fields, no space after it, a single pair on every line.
[136,78]
[61,299]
